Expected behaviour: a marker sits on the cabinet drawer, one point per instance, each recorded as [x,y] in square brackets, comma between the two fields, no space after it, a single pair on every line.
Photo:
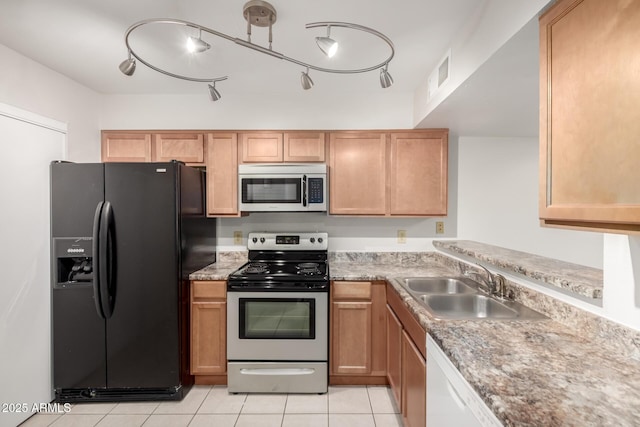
[351,290]
[207,290]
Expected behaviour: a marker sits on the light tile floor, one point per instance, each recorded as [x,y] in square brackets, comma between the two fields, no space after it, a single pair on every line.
[342,406]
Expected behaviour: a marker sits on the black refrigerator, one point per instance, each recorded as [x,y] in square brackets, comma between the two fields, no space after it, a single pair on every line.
[125,237]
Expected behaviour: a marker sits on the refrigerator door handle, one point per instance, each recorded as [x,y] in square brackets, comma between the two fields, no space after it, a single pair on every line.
[107,260]
[97,264]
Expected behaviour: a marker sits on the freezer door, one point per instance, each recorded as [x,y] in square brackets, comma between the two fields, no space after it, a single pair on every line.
[79,359]
[143,333]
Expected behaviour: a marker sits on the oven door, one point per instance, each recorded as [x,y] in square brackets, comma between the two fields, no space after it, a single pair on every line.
[282,326]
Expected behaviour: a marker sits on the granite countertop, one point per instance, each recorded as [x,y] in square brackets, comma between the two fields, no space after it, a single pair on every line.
[529,373]
[216,271]
[576,279]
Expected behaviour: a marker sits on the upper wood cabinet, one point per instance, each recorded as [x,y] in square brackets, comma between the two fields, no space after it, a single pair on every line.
[275,147]
[589,127]
[143,146]
[393,174]
[185,147]
[222,174]
[126,147]
[358,170]
[418,173]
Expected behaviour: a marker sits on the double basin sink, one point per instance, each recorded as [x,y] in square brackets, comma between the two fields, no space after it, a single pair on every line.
[460,298]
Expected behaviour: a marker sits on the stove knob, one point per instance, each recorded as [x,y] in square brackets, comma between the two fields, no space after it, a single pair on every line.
[255,240]
[262,240]
[312,240]
[319,239]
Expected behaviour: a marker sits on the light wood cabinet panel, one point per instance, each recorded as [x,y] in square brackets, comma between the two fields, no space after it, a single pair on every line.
[351,338]
[357,173]
[184,147]
[126,147]
[304,146]
[261,147]
[222,174]
[208,328]
[394,355]
[358,333]
[418,173]
[414,384]
[589,125]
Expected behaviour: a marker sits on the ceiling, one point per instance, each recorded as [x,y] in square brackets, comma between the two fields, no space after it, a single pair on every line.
[84,40]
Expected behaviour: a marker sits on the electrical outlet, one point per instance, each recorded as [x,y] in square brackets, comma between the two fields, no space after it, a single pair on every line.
[402,236]
[439,227]
[237,237]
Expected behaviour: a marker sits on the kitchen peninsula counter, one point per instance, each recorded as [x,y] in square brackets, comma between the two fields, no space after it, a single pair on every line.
[555,372]
[529,373]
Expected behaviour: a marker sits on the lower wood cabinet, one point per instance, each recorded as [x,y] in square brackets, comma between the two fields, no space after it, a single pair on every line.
[406,361]
[358,333]
[209,331]
[414,384]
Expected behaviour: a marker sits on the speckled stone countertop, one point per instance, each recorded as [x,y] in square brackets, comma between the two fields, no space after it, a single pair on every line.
[577,279]
[529,373]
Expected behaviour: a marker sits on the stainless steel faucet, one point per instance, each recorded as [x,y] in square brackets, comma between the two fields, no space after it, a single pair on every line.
[494,284]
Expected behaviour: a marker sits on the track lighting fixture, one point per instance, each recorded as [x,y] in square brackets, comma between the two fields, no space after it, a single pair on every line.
[327,45]
[213,92]
[385,78]
[261,14]
[306,81]
[197,45]
[128,66]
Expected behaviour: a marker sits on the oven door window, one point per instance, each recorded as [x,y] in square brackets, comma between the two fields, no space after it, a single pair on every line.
[277,318]
[271,190]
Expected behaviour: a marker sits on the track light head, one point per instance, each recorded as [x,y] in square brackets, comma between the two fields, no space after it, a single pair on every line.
[306,81]
[327,45]
[128,66]
[213,92]
[385,78]
[197,45]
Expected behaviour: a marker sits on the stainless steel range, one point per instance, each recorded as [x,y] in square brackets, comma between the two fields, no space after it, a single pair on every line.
[278,315]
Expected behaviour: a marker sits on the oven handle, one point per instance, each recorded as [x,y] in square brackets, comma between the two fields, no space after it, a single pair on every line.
[277,371]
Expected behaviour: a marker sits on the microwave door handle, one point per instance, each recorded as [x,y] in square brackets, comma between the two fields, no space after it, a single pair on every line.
[304,190]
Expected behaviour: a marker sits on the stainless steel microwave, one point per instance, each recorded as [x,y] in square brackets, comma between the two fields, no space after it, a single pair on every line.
[283,187]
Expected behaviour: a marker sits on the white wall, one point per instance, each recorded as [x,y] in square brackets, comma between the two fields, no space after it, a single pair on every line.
[487,30]
[307,110]
[498,202]
[33,87]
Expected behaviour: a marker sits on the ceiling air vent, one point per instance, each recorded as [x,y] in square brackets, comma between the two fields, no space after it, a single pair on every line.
[440,75]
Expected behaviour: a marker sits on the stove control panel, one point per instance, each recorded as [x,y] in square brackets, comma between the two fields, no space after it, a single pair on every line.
[288,241]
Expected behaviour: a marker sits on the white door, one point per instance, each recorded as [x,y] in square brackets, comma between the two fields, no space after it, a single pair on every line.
[28,144]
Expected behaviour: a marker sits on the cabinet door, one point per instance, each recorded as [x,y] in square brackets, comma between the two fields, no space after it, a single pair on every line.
[414,384]
[394,355]
[351,327]
[208,327]
[358,171]
[589,125]
[185,147]
[222,174]
[351,337]
[418,173]
[304,147]
[261,147]
[208,333]
[126,147]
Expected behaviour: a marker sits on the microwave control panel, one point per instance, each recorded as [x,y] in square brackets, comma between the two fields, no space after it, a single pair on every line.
[315,189]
